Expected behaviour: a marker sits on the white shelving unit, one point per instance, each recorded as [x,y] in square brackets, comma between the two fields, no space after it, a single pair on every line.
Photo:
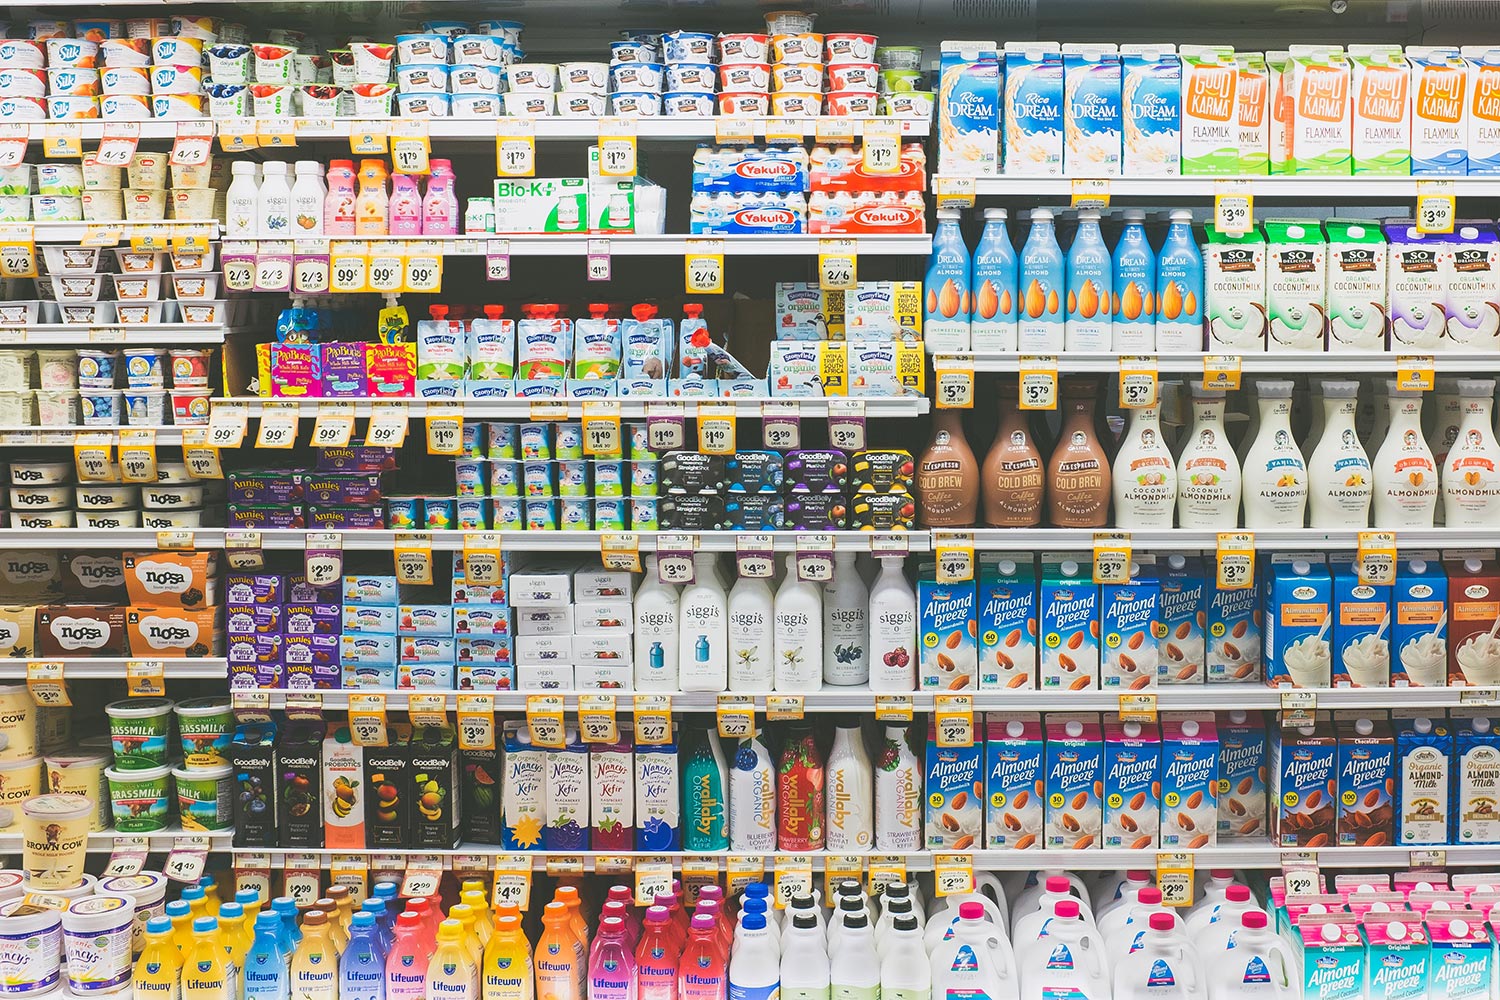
[631,407]
[1346,189]
[75,335]
[113,667]
[1354,362]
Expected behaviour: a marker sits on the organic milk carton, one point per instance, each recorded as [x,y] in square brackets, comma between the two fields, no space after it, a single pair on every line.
[1242,776]
[1296,284]
[1092,115]
[1470,270]
[1007,620]
[523,804]
[1483,92]
[1473,606]
[1380,79]
[1232,632]
[1132,782]
[968,105]
[1210,110]
[1320,129]
[1398,956]
[1128,623]
[1068,606]
[1033,115]
[1419,649]
[1415,287]
[1356,285]
[1151,102]
[1304,771]
[1362,612]
[1424,768]
[1366,784]
[1333,956]
[955,794]
[1074,781]
[946,625]
[1476,777]
[1234,287]
[658,818]
[1013,786]
[1189,783]
[1462,961]
[1298,597]
[1182,614]
[1439,124]
[1253,110]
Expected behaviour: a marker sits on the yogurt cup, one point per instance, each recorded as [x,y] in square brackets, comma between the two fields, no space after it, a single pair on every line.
[137,261]
[125,52]
[849,47]
[635,105]
[590,76]
[806,76]
[423,78]
[83,888]
[145,367]
[740,47]
[97,935]
[798,47]
[273,63]
[163,520]
[71,260]
[319,100]
[148,170]
[192,26]
[55,836]
[423,105]
[474,80]
[907,104]
[177,51]
[136,287]
[687,46]
[23,109]
[100,407]
[746,103]
[797,104]
[140,798]
[117,80]
[23,82]
[531,77]
[691,77]
[19,780]
[64,108]
[899,57]
[168,79]
[81,773]
[372,61]
[78,53]
[149,892]
[529,105]
[475,106]
[636,77]
[39,497]
[580,104]
[373,99]
[342,66]
[510,31]
[205,797]
[789,21]
[46,519]
[308,68]
[476,50]
[139,731]
[228,100]
[687,105]
[853,103]
[633,51]
[205,725]
[57,407]
[177,107]
[853,76]
[271,100]
[190,407]
[30,949]
[93,496]
[447,29]
[898,81]
[59,178]
[144,407]
[425,48]
[29,474]
[22,53]
[195,286]
[96,369]
[190,367]
[228,63]
[745,76]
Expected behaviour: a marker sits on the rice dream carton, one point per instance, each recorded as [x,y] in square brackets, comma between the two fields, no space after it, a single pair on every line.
[1151,102]
[1381,140]
[1033,110]
[1210,110]
[1074,782]
[1439,129]
[1013,785]
[968,106]
[1092,115]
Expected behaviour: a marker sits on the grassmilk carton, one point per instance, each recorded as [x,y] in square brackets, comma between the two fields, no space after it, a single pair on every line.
[1356,285]
[1299,598]
[1151,102]
[1068,611]
[1398,956]
[1419,601]
[1132,783]
[1476,777]
[1253,110]
[1302,784]
[1007,620]
[1362,613]
[1439,123]
[1241,794]
[1367,784]
[1415,287]
[1380,80]
[1074,781]
[1092,115]
[1232,632]
[1234,285]
[1296,284]
[1320,129]
[1210,110]
[1189,782]
[1470,269]
[946,625]
[1483,93]
[1128,624]
[1183,615]
[1462,960]
[955,794]
[1033,110]
[1424,778]
[1013,786]
[968,106]
[1333,956]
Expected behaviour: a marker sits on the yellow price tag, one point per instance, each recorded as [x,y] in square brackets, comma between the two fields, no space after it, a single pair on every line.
[838,264]
[704,267]
[1090,193]
[45,681]
[652,879]
[278,424]
[1137,382]
[236,135]
[886,870]
[386,268]
[620,550]
[1375,558]
[1112,557]
[1138,707]
[954,378]
[1235,561]
[794,878]
[954,192]
[1174,877]
[484,563]
[138,455]
[476,721]
[1221,372]
[617,151]
[716,428]
[275,132]
[427,709]
[410,148]
[653,719]
[953,874]
[893,708]
[1415,373]
[348,267]
[1234,207]
[601,428]
[736,716]
[93,457]
[515,148]
[368,138]
[62,140]
[414,559]
[733,131]
[1038,382]
[596,718]
[881,152]
[544,717]
[954,714]
[445,428]
[387,426]
[367,725]
[1436,206]
[954,554]
[422,268]
[512,883]
[18,251]
[785,707]
[200,457]
[334,426]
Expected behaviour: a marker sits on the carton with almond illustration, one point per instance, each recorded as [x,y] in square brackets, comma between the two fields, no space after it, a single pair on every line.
[1242,777]
[1068,609]
[1303,767]
[1007,620]
[1183,616]
[955,794]
[1013,780]
[1129,621]
[1074,782]
[1189,782]
[948,628]
[1132,782]
[1367,784]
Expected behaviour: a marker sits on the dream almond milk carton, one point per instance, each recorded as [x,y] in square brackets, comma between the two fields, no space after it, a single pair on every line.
[1254,102]
[1439,126]
[1482,62]
[1320,129]
[1210,110]
[1382,110]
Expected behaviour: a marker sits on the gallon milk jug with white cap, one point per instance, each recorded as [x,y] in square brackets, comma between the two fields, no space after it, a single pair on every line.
[1255,963]
[975,962]
[1065,960]
[1162,968]
[804,960]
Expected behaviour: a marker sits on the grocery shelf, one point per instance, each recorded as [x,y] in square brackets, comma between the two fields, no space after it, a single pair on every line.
[1281,365]
[104,841]
[88,668]
[77,232]
[80,335]
[1191,539]
[631,407]
[64,437]
[638,245]
[1346,190]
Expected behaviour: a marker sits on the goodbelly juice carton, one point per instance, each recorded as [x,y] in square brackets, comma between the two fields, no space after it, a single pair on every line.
[1234,285]
[1254,114]
[1074,781]
[1462,962]
[1189,783]
[1013,785]
[1380,79]
[1360,652]
[1092,113]
[1356,285]
[1398,959]
[1482,62]
[1068,609]
[947,627]
[1033,111]
[1303,768]
[1296,284]
[1210,110]
[1151,102]
[1366,784]
[1007,621]
[1416,289]
[1241,794]
[1129,620]
[1299,598]
[1183,614]
[1424,773]
[1320,129]
[1232,632]
[344,791]
[1476,779]
[1439,123]
[1132,785]
[955,794]
[1470,270]
[968,105]
[1419,619]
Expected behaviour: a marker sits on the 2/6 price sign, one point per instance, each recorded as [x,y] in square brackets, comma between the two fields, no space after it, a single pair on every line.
[704,267]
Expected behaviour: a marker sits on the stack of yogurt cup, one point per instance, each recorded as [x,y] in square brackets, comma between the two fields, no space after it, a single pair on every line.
[672,74]
[439,75]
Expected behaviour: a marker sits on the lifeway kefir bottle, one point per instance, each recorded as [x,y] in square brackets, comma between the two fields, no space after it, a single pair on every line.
[1405,475]
[1208,473]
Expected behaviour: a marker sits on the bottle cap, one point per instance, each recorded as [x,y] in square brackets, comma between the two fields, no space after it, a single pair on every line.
[1253,919]
[1162,921]
[208,925]
[1237,893]
[1066,908]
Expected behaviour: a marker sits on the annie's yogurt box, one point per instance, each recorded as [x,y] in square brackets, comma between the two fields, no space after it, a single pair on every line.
[1068,610]
[1299,595]
[1013,785]
[1132,780]
[1074,782]
[1189,782]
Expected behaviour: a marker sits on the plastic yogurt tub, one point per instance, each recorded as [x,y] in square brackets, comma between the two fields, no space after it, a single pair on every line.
[849,46]
[97,935]
[805,47]
[206,727]
[17,717]
[20,780]
[745,76]
[590,76]
[30,949]
[205,797]
[12,884]
[92,496]
[54,841]
[139,731]
[149,892]
[81,773]
[687,46]
[745,103]
[688,105]
[139,798]
[788,21]
[743,47]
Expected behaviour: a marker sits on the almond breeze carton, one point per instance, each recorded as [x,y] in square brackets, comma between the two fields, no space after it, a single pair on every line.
[1381,141]
[1007,620]
[1367,784]
[1033,110]
[1013,785]
[947,626]
[1333,956]
[1483,94]
[1068,607]
[1210,110]
[1242,777]
[1074,782]
[1299,597]
[1092,116]
[1419,647]
[1183,615]
[1320,129]
[1128,624]
[968,106]
[1132,783]
[955,794]
[1151,103]
[1462,960]
[1439,127]
[1232,652]
[1254,105]
[1303,783]
[1398,956]
[1189,783]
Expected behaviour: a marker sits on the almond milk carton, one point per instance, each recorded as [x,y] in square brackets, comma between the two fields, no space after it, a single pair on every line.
[1382,110]
[1254,113]
[1189,782]
[1210,110]
[1074,781]
[1476,779]
[1462,962]
[1482,63]
[1013,783]
[1068,606]
[1092,116]
[1367,784]
[1132,783]
[1007,620]
[1128,623]
[1303,783]
[1424,779]
[1439,124]
[1151,101]
[1320,129]
[1242,776]
[1473,607]
[1183,615]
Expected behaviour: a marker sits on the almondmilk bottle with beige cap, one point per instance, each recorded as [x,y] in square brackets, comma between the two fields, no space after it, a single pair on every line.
[1275,476]
[1338,471]
[1403,469]
[1471,470]
[1208,473]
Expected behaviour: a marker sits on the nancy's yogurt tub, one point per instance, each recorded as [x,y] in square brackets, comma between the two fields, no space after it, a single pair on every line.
[140,798]
[30,948]
[97,934]
[81,773]
[205,797]
[148,890]
[139,731]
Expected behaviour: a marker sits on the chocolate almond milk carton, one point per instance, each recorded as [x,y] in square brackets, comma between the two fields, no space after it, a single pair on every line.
[1367,784]
[1303,773]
